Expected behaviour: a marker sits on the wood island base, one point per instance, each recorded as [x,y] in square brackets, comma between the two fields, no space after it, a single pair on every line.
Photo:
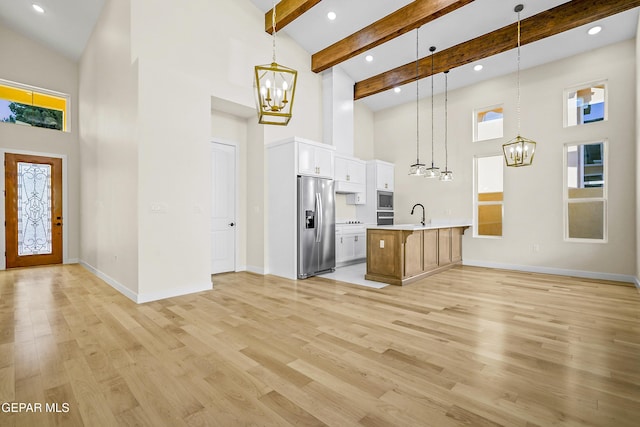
[400,256]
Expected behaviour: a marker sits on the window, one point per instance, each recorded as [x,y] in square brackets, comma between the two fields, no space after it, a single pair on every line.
[585,191]
[585,104]
[488,201]
[30,106]
[488,123]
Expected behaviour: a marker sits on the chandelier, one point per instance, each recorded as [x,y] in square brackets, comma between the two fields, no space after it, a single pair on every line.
[274,88]
[519,151]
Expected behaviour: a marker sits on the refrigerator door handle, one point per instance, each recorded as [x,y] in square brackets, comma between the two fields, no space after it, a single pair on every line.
[319,213]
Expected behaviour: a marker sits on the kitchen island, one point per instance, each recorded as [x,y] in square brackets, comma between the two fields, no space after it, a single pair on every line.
[401,254]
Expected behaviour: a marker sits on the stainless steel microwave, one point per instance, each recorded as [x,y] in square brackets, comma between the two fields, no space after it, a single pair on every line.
[385,201]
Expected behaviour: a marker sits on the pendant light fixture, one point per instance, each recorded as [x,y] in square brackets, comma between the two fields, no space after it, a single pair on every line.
[519,151]
[274,87]
[446,174]
[417,169]
[432,172]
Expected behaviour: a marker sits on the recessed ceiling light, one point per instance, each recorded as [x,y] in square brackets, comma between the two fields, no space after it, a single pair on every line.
[369,58]
[37,8]
[478,67]
[397,89]
[594,30]
[331,15]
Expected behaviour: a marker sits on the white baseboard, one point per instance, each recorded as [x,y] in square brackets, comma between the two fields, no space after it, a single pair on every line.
[133,296]
[557,271]
[636,282]
[175,292]
[71,261]
[254,269]
[150,296]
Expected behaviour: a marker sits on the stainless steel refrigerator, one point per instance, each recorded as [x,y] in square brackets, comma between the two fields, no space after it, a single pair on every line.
[316,226]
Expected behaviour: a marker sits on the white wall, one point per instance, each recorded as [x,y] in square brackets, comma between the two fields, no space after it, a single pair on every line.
[533,195]
[363,145]
[182,55]
[25,61]
[109,151]
[256,198]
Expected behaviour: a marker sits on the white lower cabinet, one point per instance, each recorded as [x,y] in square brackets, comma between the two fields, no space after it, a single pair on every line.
[351,245]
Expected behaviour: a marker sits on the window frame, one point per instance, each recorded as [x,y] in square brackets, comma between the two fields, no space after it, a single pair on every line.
[575,88]
[66,112]
[477,203]
[475,122]
[604,199]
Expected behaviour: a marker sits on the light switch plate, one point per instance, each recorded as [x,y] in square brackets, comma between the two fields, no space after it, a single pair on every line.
[158,208]
[381,244]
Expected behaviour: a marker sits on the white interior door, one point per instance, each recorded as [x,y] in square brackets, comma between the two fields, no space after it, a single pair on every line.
[223,212]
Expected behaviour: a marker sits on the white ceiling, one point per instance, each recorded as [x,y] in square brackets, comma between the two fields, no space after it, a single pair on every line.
[67,25]
[314,31]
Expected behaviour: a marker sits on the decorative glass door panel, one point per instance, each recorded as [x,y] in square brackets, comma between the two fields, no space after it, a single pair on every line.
[33,210]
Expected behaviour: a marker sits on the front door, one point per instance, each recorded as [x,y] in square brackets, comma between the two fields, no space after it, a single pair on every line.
[33,210]
[223,209]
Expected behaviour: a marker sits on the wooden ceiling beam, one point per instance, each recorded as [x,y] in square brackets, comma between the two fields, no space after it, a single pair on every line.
[545,24]
[286,12]
[403,20]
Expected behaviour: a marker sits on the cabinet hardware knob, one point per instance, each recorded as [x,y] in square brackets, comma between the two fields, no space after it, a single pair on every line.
[231,224]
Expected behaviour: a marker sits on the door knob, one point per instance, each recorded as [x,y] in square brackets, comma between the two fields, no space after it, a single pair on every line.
[231,224]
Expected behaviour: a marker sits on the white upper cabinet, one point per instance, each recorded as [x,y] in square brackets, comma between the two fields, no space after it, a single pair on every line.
[384,176]
[314,160]
[351,178]
[350,170]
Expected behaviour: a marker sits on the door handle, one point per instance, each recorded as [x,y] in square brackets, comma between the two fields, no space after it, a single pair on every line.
[319,213]
[231,224]
[58,224]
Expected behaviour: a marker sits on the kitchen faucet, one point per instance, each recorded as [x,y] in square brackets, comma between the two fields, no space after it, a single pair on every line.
[414,206]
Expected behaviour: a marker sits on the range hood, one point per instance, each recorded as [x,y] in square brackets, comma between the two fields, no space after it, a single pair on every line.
[345,187]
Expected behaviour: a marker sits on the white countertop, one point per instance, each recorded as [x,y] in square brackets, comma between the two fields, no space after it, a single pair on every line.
[430,225]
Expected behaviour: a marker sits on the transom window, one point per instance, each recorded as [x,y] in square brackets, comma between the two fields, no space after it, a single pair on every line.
[29,106]
[585,104]
[488,123]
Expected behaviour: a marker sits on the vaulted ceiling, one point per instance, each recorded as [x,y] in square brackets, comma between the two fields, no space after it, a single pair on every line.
[465,33]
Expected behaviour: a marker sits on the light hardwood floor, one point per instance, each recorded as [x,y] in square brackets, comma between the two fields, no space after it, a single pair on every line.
[469,346]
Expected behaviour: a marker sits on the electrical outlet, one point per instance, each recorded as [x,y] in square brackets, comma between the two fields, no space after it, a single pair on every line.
[381,244]
[535,247]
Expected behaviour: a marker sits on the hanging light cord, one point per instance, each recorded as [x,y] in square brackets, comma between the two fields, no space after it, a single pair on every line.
[446,121]
[432,50]
[518,74]
[417,104]
[273,25]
